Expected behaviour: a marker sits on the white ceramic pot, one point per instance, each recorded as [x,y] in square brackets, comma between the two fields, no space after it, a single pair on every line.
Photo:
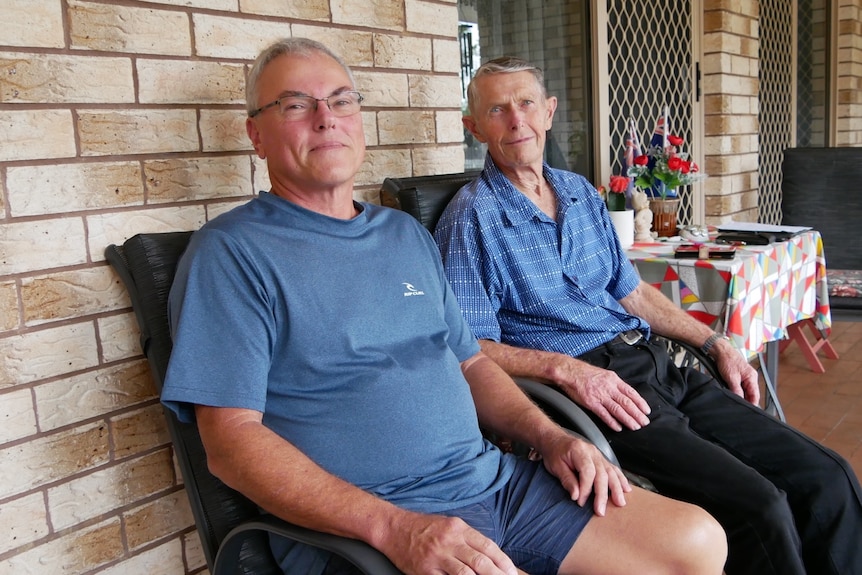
[624,223]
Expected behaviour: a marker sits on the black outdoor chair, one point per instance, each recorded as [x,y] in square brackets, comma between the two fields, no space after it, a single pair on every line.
[233,530]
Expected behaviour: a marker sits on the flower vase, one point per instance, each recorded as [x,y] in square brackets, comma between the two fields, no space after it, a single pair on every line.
[624,224]
[664,216]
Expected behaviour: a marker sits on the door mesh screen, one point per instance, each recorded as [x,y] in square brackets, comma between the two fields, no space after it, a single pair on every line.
[649,65]
[775,112]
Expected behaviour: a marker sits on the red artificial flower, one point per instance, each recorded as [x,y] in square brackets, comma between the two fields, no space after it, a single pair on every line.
[619,184]
[694,167]
[685,167]
[674,163]
[642,160]
[675,140]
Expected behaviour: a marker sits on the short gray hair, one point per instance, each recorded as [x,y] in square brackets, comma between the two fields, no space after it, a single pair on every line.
[504,65]
[286,46]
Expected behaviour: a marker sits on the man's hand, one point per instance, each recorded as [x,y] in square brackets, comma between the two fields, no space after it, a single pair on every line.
[419,543]
[740,377]
[603,392]
[582,469]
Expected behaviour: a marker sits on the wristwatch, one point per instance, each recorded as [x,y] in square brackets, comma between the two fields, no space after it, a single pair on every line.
[710,342]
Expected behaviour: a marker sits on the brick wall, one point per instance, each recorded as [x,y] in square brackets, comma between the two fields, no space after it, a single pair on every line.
[730,88]
[127,116]
[849,124]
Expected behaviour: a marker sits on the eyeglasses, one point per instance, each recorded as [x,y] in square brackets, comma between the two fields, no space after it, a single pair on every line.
[300,106]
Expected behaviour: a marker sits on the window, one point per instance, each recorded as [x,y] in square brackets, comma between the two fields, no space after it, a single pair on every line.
[553,35]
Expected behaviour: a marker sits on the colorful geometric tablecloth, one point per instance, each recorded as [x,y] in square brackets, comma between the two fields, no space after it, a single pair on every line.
[752,298]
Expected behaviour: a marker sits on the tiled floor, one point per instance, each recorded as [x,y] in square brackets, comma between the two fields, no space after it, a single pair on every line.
[827,406]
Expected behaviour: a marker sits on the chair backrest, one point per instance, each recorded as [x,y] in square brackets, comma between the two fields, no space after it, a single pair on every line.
[424,197]
[820,189]
[146,263]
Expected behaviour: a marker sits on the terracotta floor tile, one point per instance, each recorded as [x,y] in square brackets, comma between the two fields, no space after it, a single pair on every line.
[827,406]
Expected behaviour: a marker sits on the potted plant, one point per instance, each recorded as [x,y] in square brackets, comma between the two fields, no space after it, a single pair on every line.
[622,218]
[660,172]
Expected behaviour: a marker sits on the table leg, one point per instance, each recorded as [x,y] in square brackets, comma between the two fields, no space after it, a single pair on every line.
[769,368]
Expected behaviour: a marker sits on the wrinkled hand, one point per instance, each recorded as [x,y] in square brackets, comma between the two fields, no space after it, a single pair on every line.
[740,377]
[422,544]
[603,392]
[582,469]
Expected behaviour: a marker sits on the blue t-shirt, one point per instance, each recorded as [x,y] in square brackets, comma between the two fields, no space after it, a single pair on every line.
[524,279]
[346,336]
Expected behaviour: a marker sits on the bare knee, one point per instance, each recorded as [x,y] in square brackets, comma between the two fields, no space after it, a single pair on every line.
[702,544]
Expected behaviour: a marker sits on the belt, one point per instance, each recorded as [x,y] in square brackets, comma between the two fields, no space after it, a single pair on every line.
[629,337]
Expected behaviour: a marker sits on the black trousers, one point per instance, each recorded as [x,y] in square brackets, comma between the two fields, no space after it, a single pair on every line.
[789,505]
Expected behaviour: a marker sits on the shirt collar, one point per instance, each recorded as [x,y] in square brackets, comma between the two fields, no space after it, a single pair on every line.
[515,205]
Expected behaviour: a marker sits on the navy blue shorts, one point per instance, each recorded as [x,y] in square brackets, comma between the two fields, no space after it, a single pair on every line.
[532,519]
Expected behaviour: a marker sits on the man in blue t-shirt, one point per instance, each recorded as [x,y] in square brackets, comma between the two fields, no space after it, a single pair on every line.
[544,284]
[334,381]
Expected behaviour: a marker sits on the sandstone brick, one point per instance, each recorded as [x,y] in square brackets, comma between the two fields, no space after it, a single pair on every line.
[368,13]
[68,294]
[261,175]
[438,159]
[139,431]
[216,209]
[17,420]
[62,188]
[41,244]
[428,18]
[434,91]
[70,554]
[32,23]
[115,228]
[38,134]
[223,5]
[92,394]
[111,132]
[22,521]
[8,306]
[383,89]
[404,127]
[235,38]
[392,51]
[380,164]
[68,452]
[193,551]
[354,46]
[113,28]
[47,353]
[40,78]
[119,337]
[449,127]
[176,180]
[166,559]
[369,128]
[223,130]
[305,10]
[190,82]
[447,55]
[168,514]
[116,486]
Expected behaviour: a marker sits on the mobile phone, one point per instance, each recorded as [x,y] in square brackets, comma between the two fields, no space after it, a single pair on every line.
[715,252]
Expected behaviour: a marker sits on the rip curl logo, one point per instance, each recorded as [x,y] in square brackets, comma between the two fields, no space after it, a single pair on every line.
[411,290]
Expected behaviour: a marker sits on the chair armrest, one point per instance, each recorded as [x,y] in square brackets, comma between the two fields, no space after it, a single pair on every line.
[367,559]
[567,413]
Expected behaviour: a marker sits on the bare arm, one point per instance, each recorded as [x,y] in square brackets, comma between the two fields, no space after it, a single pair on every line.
[667,319]
[280,478]
[503,408]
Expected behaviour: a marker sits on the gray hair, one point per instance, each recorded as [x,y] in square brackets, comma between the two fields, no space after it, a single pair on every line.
[504,65]
[286,46]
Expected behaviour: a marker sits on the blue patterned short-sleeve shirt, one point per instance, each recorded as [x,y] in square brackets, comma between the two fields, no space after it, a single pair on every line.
[524,279]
